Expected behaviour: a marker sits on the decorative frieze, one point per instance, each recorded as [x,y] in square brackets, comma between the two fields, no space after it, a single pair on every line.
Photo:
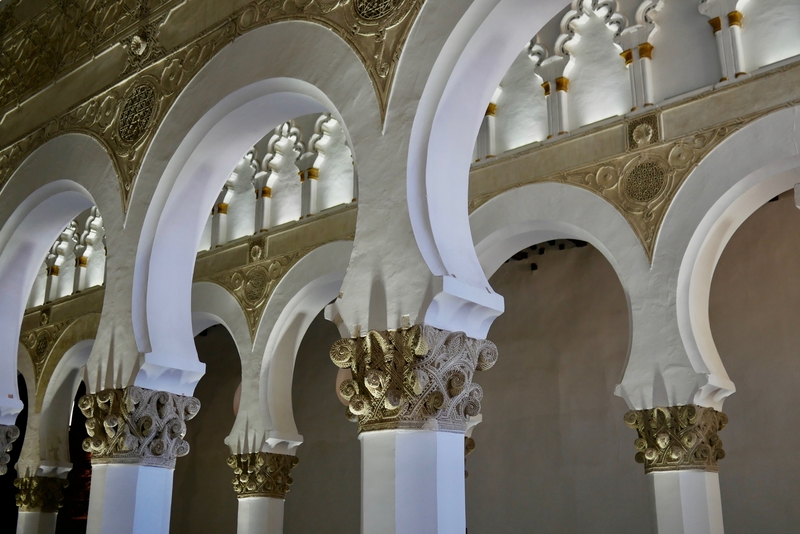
[137,426]
[40,494]
[678,438]
[415,378]
[262,474]
[8,434]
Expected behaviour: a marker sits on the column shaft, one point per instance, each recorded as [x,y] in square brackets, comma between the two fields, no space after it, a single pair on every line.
[260,515]
[36,522]
[412,482]
[686,502]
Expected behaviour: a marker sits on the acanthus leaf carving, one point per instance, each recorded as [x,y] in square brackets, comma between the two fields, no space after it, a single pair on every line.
[40,494]
[8,435]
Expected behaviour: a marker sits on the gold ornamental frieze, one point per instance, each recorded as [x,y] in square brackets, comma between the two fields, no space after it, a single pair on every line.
[262,474]
[124,117]
[414,378]
[678,438]
[253,284]
[640,182]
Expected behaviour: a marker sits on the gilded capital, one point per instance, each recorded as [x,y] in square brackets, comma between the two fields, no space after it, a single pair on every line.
[262,474]
[137,426]
[40,494]
[414,378]
[8,434]
[678,438]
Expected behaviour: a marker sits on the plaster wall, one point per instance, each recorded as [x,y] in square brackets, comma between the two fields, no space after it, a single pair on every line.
[203,500]
[753,311]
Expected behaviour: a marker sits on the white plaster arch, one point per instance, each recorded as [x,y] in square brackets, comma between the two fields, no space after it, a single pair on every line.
[299,297]
[476,56]
[212,305]
[226,108]
[58,181]
[752,166]
[57,408]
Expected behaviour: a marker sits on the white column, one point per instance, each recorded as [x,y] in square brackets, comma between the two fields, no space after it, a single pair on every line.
[735,25]
[129,499]
[260,515]
[36,522]
[412,482]
[686,502]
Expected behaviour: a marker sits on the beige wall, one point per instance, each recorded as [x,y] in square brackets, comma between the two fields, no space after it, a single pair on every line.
[553,455]
[755,311]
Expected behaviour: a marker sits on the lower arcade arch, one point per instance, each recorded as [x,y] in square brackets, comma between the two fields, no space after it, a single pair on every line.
[551,443]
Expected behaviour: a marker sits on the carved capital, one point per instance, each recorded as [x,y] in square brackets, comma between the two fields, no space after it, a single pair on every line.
[678,438]
[8,434]
[262,474]
[415,378]
[40,494]
[137,426]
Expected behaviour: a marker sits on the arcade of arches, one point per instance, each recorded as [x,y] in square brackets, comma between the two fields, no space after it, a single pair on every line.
[399,266]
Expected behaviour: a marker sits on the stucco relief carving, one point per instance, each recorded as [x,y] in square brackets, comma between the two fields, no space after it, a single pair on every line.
[252,284]
[137,426]
[377,41]
[40,494]
[262,474]
[420,377]
[8,434]
[678,438]
[40,342]
[641,182]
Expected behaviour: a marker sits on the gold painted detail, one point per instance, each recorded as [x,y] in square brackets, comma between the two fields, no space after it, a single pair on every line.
[8,435]
[222,208]
[262,474]
[678,438]
[313,173]
[40,342]
[562,84]
[377,42]
[627,55]
[40,494]
[716,24]
[83,261]
[53,271]
[491,110]
[646,50]
[735,18]
[420,377]
[642,182]
[253,284]
[266,192]
[546,87]
[137,426]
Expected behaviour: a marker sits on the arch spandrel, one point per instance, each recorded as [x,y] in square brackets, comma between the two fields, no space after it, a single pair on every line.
[125,117]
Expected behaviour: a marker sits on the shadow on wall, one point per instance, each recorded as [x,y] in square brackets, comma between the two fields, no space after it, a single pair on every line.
[553,454]
[753,308]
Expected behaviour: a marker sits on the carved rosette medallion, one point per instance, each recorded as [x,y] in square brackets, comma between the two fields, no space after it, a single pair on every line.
[678,438]
[8,434]
[40,342]
[40,494]
[415,378]
[262,474]
[137,112]
[137,426]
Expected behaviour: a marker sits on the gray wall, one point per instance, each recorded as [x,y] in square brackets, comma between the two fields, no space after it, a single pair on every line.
[203,501]
[553,455]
